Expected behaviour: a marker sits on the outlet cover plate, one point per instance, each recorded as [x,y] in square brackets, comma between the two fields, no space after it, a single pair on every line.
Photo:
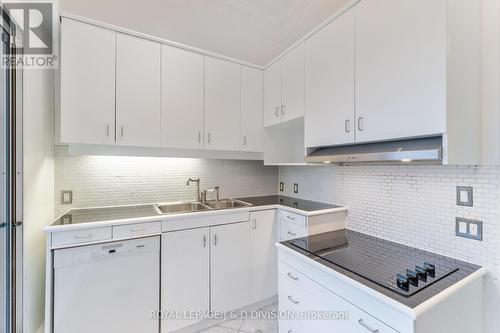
[295,188]
[66,197]
[465,196]
[282,186]
[473,228]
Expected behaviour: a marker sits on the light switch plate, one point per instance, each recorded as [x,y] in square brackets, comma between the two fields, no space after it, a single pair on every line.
[468,228]
[465,196]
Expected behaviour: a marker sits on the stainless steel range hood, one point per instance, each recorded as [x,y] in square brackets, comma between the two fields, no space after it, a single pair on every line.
[424,150]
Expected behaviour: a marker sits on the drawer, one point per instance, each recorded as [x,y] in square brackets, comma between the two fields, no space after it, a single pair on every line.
[138,229]
[312,297]
[63,238]
[300,220]
[291,231]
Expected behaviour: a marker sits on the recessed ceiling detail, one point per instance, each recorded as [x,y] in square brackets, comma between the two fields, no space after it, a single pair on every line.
[250,30]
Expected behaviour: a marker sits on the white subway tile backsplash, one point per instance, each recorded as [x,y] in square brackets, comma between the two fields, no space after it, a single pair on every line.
[414,205]
[117,180]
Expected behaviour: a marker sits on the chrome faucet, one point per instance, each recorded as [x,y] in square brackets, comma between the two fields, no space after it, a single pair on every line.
[197,181]
[203,198]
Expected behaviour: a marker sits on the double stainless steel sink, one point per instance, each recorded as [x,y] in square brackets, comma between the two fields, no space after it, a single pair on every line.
[195,206]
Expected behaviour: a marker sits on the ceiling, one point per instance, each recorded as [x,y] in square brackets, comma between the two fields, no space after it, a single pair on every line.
[254,31]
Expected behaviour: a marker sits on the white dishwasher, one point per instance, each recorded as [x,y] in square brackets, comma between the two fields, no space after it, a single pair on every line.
[107,288]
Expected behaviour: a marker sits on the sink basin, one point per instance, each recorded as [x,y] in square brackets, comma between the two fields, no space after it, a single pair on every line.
[227,203]
[180,207]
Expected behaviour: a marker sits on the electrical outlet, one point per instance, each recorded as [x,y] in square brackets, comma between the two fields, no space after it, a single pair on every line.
[468,228]
[295,188]
[282,186]
[66,197]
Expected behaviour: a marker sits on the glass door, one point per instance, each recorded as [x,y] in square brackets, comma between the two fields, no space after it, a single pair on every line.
[5,230]
[10,175]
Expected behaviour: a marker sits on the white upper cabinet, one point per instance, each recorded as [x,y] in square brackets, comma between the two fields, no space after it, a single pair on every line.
[400,68]
[222,105]
[284,88]
[138,114]
[182,98]
[272,95]
[87,84]
[292,106]
[252,128]
[329,84]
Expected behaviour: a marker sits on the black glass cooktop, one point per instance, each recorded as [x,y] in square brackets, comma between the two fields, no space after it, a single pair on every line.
[401,269]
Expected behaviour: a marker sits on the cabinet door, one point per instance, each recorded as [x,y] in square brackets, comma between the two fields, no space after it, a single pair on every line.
[293,84]
[400,68]
[264,257]
[272,95]
[87,84]
[230,266]
[252,127]
[138,113]
[329,113]
[185,274]
[222,104]
[182,98]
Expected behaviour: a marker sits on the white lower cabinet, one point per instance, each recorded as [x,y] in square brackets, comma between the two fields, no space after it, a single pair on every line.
[263,236]
[313,308]
[209,269]
[230,266]
[185,275]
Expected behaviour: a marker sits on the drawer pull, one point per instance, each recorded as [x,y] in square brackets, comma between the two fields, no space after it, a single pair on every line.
[290,217]
[292,300]
[292,277]
[365,325]
[138,229]
[292,233]
[83,236]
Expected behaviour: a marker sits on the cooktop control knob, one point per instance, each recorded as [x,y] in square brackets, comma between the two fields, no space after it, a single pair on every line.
[421,273]
[403,283]
[430,269]
[412,277]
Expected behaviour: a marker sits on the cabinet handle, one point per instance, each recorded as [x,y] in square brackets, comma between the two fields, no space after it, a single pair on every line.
[348,126]
[199,137]
[122,131]
[83,237]
[360,124]
[244,140]
[283,109]
[292,233]
[292,300]
[107,130]
[290,217]
[290,275]
[277,111]
[215,239]
[365,325]
[254,224]
[209,137]
[204,241]
[138,229]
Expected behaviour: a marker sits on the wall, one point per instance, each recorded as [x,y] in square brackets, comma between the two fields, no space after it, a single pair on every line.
[118,180]
[414,205]
[38,200]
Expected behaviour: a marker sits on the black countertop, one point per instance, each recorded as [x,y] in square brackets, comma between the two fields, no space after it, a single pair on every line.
[375,262]
[305,205]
